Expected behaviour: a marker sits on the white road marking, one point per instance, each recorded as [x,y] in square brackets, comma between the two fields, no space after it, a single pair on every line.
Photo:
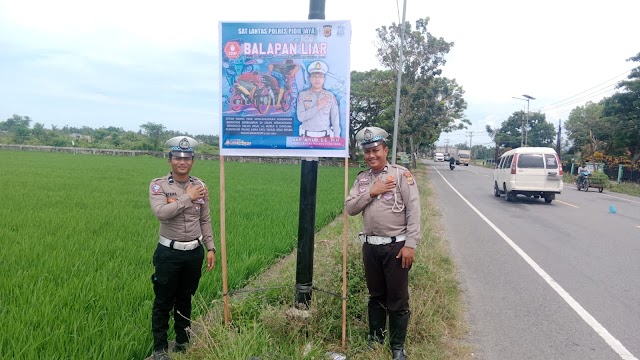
[638,227]
[562,202]
[473,171]
[590,320]
[620,198]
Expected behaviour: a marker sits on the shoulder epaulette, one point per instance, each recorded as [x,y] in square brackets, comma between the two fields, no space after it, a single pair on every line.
[400,167]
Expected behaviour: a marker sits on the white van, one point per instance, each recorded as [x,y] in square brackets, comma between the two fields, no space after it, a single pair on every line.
[530,171]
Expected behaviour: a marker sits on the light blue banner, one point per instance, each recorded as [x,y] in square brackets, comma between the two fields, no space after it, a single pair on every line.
[285,88]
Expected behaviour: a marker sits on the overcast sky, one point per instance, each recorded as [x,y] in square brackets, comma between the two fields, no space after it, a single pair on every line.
[125,63]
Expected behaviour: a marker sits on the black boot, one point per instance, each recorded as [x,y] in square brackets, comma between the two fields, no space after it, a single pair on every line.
[377,325]
[398,324]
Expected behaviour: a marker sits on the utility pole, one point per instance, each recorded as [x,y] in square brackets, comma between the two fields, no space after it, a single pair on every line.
[525,128]
[307,209]
[470,144]
[559,140]
[446,145]
[398,86]
[522,130]
[495,137]
[526,134]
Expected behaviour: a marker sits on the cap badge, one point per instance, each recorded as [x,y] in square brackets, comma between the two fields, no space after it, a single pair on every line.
[184,143]
[368,135]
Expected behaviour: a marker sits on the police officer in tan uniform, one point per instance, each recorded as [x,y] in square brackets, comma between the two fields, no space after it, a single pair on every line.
[181,203]
[387,196]
[317,108]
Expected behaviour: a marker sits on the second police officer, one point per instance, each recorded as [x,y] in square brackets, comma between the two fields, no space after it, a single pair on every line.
[387,196]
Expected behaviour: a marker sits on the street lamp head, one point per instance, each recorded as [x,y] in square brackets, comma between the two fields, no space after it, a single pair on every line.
[529,97]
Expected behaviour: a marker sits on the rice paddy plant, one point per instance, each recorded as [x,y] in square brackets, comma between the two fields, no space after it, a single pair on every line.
[77,237]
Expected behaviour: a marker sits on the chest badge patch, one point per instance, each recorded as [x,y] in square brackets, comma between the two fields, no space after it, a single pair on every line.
[363,189]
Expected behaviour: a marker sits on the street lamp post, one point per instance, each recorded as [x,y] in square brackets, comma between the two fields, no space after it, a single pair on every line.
[526,128]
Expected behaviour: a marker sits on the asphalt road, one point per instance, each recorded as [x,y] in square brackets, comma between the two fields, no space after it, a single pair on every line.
[543,281]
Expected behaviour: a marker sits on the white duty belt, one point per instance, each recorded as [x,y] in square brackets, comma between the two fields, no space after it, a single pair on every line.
[322,133]
[180,245]
[381,240]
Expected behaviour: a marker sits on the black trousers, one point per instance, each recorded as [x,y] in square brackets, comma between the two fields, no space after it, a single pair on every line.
[387,281]
[174,283]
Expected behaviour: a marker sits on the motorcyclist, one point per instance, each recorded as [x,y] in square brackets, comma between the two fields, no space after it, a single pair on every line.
[452,161]
[583,172]
[247,83]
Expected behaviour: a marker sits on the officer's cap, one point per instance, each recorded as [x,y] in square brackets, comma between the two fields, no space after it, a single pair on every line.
[182,146]
[371,137]
[318,67]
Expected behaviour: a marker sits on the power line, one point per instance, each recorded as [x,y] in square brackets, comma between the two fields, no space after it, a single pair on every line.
[587,97]
[580,93]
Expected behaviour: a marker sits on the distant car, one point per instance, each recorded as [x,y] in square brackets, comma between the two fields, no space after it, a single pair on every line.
[447,156]
[438,157]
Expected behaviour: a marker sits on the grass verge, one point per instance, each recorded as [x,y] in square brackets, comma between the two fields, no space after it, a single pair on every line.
[261,327]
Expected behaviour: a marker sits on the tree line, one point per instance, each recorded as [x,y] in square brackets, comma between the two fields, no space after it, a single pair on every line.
[151,136]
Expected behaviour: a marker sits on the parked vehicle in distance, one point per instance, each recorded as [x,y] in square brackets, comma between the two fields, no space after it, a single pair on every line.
[447,156]
[529,171]
[463,157]
[438,157]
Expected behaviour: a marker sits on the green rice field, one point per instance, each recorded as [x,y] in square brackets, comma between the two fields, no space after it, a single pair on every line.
[77,237]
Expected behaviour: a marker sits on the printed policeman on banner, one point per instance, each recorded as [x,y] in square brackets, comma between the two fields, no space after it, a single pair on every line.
[317,108]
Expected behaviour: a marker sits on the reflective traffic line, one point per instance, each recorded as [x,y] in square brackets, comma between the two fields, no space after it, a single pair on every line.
[621,198]
[480,173]
[562,202]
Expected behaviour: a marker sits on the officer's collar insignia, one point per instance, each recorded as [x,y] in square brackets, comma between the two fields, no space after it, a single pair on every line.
[384,170]
[171,181]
